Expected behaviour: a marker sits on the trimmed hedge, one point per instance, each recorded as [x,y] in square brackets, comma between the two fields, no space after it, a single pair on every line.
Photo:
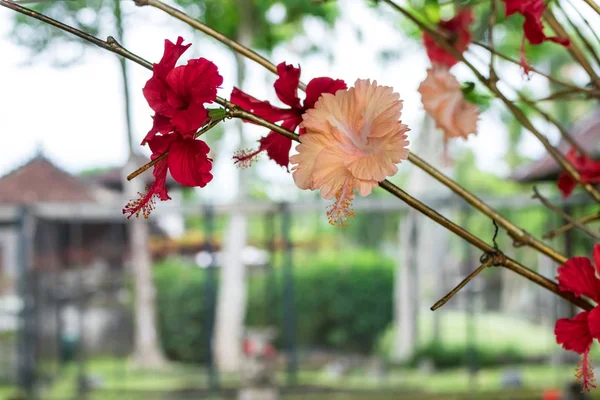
[343,302]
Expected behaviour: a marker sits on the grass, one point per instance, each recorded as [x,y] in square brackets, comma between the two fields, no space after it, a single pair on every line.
[118,377]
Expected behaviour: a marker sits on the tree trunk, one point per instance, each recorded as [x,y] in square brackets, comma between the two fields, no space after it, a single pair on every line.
[147,351]
[231,301]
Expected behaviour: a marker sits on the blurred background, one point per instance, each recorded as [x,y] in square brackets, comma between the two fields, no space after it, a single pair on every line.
[244,284]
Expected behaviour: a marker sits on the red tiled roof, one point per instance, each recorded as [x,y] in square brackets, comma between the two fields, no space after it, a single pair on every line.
[586,133]
[41,181]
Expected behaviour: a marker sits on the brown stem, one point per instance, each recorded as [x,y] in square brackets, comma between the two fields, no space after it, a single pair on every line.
[566,227]
[559,211]
[580,34]
[563,132]
[537,71]
[461,285]
[573,48]
[245,51]
[164,155]
[594,5]
[516,111]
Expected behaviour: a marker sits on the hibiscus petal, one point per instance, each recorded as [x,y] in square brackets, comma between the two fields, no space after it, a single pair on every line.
[170,56]
[317,86]
[155,91]
[286,86]
[566,184]
[597,260]
[594,322]
[278,146]
[160,124]
[201,80]
[263,109]
[189,120]
[161,144]
[578,277]
[573,334]
[189,163]
[457,31]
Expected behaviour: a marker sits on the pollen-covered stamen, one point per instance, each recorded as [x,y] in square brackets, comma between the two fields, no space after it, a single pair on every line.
[143,205]
[245,158]
[339,212]
[585,372]
[147,201]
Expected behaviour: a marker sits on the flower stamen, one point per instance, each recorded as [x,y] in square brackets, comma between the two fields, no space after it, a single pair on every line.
[339,212]
[585,373]
[245,158]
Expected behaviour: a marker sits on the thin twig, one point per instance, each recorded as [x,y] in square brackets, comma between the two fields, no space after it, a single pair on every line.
[559,211]
[580,34]
[164,155]
[492,74]
[573,48]
[570,225]
[534,69]
[241,49]
[461,285]
[594,5]
[584,20]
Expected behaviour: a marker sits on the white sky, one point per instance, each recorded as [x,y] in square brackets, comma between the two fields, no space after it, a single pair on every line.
[76,115]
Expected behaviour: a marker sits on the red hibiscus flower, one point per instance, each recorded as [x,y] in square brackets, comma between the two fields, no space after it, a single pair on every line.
[178,94]
[580,277]
[588,169]
[456,30]
[533,29]
[286,86]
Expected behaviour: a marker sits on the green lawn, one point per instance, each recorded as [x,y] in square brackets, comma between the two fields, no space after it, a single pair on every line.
[118,377]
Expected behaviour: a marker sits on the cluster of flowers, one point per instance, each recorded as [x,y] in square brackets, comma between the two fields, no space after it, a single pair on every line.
[350,139]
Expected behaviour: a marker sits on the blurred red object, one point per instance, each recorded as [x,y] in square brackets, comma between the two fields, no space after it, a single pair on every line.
[248,347]
[269,351]
[552,394]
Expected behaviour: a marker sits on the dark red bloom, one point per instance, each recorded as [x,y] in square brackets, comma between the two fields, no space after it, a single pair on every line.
[580,277]
[187,161]
[587,168]
[178,94]
[286,87]
[533,28]
[456,30]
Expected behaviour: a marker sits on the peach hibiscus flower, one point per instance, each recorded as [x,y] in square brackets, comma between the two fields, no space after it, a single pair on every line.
[353,140]
[444,101]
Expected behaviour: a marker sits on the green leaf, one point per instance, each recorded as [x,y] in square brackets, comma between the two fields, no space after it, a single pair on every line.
[432,10]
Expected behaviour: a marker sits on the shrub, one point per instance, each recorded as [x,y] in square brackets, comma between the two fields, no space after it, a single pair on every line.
[343,302]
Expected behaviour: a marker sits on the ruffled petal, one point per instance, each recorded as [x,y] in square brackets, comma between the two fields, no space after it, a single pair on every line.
[457,32]
[189,120]
[311,145]
[160,124]
[597,260]
[566,184]
[278,146]
[574,334]
[189,163]
[286,86]
[444,101]
[317,86]
[380,162]
[156,92]
[577,276]
[170,56]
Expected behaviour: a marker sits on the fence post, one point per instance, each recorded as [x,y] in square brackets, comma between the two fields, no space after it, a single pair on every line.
[210,285]
[26,337]
[289,308]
